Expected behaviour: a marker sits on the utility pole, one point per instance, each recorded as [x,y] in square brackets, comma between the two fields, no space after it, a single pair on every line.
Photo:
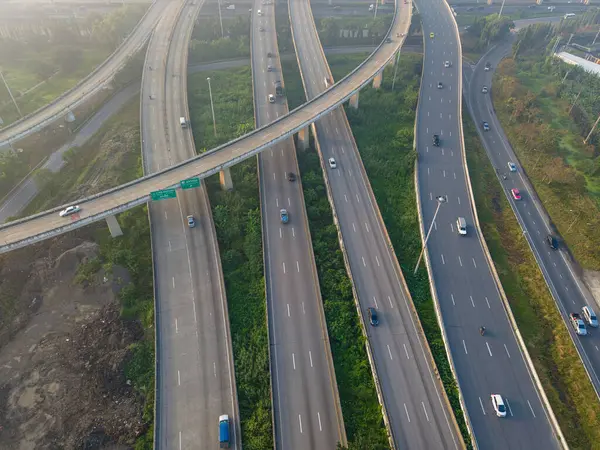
[575,101]
[440,199]
[212,107]
[592,130]
[220,18]
[501,8]
[10,93]
[594,41]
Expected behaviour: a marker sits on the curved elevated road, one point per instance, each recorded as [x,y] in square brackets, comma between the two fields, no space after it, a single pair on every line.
[467,294]
[48,224]
[195,378]
[306,408]
[415,404]
[99,78]
[567,289]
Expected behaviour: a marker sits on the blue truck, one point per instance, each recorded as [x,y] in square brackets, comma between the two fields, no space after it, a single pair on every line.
[224,431]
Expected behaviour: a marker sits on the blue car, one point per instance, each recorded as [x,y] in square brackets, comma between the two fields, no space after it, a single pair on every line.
[283,215]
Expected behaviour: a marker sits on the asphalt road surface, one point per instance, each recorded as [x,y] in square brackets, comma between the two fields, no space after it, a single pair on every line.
[419,415]
[565,285]
[195,381]
[467,293]
[87,87]
[305,400]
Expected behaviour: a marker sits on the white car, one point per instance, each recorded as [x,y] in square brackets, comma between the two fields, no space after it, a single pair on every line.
[484,90]
[498,405]
[271,98]
[590,316]
[69,210]
[512,167]
[447,64]
[332,163]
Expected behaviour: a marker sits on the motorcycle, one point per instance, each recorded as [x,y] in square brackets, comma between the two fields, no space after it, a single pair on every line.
[482,330]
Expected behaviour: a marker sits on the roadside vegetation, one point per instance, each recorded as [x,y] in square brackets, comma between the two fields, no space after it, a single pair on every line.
[484,32]
[237,221]
[40,67]
[547,108]
[383,128]
[360,407]
[564,379]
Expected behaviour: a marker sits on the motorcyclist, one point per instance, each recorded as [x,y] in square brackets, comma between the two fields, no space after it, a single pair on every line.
[482,330]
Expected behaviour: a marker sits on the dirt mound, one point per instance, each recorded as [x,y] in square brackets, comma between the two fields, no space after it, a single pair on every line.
[63,353]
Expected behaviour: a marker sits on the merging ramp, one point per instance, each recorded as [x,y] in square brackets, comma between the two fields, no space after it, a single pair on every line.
[195,374]
[464,283]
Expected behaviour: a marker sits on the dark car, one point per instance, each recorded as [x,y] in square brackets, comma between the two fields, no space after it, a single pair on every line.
[291,176]
[269,55]
[436,140]
[552,242]
[373,316]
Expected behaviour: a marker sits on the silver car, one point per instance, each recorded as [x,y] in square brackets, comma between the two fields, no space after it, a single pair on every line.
[69,210]
[590,316]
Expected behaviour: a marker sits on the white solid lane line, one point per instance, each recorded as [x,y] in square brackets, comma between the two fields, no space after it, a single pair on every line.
[531,408]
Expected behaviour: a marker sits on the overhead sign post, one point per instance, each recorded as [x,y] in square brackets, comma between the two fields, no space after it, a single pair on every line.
[190,183]
[163,194]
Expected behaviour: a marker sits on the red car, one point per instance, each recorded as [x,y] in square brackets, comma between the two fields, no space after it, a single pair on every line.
[515,193]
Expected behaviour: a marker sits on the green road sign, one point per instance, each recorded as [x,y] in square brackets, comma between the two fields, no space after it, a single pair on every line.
[164,194]
[190,183]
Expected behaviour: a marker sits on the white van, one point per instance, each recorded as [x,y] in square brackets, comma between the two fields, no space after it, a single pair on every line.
[569,15]
[183,122]
[259,12]
[461,226]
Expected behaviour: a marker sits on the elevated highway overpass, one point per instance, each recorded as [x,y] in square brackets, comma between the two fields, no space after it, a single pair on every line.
[48,224]
[90,85]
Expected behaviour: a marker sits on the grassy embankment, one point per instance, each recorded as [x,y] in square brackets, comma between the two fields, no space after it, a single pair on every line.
[556,361]
[38,70]
[238,224]
[112,157]
[534,107]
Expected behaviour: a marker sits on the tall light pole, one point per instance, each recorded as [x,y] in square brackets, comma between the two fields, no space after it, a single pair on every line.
[212,106]
[10,93]
[396,69]
[501,8]
[376,3]
[440,199]
[594,41]
[592,130]
[220,18]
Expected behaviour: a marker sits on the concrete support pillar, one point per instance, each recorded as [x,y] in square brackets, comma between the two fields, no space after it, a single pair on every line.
[354,100]
[304,138]
[226,180]
[113,226]
[377,80]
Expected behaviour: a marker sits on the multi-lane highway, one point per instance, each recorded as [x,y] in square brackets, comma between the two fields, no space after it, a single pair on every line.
[101,76]
[48,224]
[195,379]
[306,408]
[567,289]
[466,292]
[419,415]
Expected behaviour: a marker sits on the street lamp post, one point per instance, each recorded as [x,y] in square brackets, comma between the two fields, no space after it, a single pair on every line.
[440,199]
[10,93]
[220,18]
[212,107]
[501,8]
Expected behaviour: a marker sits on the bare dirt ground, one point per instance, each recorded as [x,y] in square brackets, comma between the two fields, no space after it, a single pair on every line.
[63,348]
